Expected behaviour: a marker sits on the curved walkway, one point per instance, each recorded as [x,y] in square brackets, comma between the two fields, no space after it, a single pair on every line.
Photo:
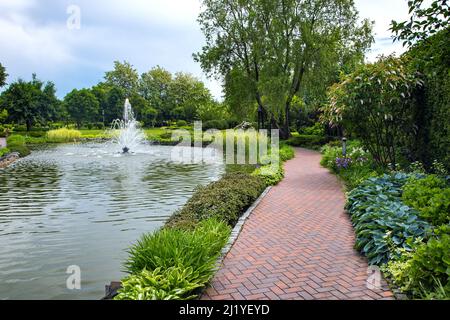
[297,243]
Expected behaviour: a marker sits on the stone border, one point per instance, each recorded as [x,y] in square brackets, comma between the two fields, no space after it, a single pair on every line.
[238,228]
[8,159]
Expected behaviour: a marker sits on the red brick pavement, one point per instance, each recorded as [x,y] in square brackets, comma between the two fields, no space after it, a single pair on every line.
[297,243]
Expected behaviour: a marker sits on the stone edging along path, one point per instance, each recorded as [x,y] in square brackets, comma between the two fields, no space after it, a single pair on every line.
[297,243]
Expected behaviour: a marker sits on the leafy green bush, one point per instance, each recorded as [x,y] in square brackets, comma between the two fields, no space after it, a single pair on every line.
[430,196]
[382,222]
[425,272]
[286,152]
[316,130]
[174,283]
[271,174]
[181,123]
[169,247]
[17,143]
[355,168]
[307,141]
[4,151]
[225,199]
[215,124]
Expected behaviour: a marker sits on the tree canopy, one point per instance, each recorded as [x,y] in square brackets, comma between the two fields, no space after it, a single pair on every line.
[3,75]
[30,102]
[82,106]
[265,49]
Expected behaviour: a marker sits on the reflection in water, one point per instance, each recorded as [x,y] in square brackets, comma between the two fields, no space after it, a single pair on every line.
[84,205]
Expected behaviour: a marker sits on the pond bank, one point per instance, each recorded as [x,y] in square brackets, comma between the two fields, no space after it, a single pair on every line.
[8,159]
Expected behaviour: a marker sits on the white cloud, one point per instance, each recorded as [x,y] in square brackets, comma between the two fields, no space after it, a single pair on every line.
[383,12]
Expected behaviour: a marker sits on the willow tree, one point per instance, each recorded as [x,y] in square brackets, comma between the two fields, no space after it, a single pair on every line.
[266,48]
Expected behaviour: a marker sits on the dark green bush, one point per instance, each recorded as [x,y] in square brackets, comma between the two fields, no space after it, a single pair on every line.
[181,123]
[430,196]
[215,124]
[307,141]
[225,199]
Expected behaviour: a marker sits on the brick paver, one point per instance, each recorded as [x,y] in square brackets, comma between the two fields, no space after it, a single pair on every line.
[297,243]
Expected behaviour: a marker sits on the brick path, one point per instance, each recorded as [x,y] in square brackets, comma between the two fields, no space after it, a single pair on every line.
[297,243]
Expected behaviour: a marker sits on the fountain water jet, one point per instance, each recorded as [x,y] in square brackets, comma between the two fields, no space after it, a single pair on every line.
[129,136]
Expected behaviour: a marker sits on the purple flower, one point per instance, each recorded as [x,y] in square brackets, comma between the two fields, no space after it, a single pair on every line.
[343,163]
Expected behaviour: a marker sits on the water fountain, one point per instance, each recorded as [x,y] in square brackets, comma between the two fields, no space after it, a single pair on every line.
[129,135]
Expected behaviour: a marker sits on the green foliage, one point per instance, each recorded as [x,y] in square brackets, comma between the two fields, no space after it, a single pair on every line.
[382,222]
[82,106]
[215,124]
[431,58]
[4,151]
[124,76]
[172,247]
[430,196]
[425,272]
[316,130]
[307,141]
[182,123]
[17,143]
[423,22]
[271,174]
[30,102]
[172,263]
[63,135]
[174,283]
[377,103]
[3,75]
[286,152]
[266,64]
[225,199]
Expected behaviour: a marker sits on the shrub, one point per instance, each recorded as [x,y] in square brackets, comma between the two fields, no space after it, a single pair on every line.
[169,247]
[4,151]
[425,272]
[17,143]
[316,130]
[356,167]
[382,222]
[430,196]
[225,199]
[181,123]
[271,174]
[63,135]
[174,283]
[307,141]
[215,124]
[286,152]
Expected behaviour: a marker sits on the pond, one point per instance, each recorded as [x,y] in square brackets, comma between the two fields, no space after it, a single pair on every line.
[84,205]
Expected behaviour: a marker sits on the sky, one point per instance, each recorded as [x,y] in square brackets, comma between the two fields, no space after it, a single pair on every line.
[45,37]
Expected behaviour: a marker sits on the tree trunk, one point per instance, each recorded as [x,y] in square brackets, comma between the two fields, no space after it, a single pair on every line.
[28,123]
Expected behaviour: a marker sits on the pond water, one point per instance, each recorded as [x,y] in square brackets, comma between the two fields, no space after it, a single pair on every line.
[84,205]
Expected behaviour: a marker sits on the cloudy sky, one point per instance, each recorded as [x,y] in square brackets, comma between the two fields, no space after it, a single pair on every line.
[34,37]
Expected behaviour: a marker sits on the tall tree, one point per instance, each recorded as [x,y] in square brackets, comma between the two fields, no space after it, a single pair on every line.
[188,94]
[155,87]
[123,76]
[271,46]
[3,75]
[82,106]
[30,102]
